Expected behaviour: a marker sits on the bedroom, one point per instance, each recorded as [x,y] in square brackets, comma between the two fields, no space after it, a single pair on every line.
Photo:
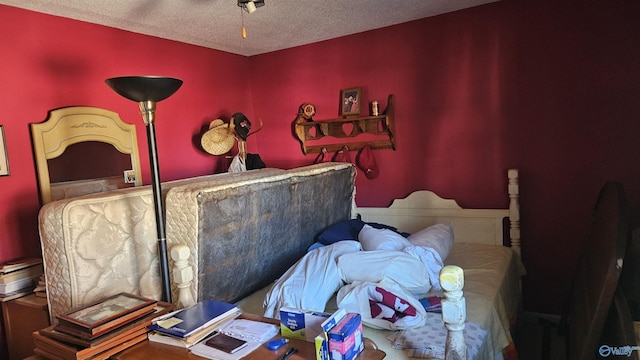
[550,89]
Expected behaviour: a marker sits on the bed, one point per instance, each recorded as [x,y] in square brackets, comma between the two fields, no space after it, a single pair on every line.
[492,274]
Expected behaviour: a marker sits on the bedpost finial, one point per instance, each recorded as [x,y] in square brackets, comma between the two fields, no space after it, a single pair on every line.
[452,278]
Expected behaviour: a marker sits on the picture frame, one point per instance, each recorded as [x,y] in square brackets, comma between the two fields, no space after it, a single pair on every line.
[112,308]
[350,100]
[129,177]
[4,160]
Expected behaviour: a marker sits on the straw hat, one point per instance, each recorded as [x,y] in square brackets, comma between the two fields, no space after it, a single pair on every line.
[219,139]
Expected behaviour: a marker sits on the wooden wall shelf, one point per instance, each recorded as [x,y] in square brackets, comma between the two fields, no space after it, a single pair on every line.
[348,128]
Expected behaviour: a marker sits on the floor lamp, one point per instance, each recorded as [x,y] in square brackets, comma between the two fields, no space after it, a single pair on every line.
[147,90]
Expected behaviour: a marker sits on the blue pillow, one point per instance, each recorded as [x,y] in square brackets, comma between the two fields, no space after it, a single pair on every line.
[343,230]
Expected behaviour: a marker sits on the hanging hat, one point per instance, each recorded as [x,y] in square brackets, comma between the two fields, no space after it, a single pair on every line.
[219,139]
[322,157]
[242,125]
[367,163]
[342,155]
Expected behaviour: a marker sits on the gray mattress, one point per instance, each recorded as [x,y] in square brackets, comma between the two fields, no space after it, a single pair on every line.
[242,237]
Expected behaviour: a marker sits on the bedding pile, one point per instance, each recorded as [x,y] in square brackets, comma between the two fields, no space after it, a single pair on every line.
[383,285]
[375,270]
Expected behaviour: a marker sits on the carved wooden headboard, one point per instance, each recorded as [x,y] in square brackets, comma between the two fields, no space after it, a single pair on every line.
[78,124]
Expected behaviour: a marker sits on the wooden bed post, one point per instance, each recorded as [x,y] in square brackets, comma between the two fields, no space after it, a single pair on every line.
[514,211]
[454,311]
[182,274]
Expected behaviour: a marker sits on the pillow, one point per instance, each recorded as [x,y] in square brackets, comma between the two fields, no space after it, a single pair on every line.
[343,230]
[383,226]
[381,239]
[438,237]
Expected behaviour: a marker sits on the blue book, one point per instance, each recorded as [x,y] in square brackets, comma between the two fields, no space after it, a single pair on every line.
[431,303]
[188,321]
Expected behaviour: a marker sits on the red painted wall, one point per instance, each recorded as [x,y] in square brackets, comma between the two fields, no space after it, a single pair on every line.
[547,87]
[550,88]
[49,62]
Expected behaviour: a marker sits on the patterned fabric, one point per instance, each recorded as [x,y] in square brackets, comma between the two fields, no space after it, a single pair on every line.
[388,306]
[429,341]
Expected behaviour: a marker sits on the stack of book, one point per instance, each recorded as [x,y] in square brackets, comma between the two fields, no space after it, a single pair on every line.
[99,330]
[41,287]
[187,327]
[18,278]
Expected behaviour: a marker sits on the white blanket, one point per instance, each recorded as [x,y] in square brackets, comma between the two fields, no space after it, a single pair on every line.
[389,266]
[310,282]
[317,276]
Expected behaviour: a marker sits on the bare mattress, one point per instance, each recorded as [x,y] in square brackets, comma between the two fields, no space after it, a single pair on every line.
[100,244]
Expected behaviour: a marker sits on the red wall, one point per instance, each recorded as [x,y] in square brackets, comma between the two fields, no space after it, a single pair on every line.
[49,62]
[551,89]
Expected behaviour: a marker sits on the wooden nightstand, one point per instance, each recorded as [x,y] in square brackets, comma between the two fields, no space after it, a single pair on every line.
[23,316]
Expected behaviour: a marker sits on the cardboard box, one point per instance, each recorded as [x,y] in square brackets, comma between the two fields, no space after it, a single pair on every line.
[345,339]
[322,340]
[301,324]
[322,348]
[342,338]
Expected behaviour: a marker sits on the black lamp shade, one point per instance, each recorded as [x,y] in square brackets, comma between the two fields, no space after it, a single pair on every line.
[144,88]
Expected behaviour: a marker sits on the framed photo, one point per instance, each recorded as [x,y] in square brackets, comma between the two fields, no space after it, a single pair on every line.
[110,309]
[129,177]
[4,161]
[350,101]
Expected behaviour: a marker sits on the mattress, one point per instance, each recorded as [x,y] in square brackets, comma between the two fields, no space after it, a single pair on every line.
[245,234]
[100,244]
[492,291]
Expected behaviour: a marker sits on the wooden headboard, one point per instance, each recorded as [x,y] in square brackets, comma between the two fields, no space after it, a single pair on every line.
[77,124]
[424,208]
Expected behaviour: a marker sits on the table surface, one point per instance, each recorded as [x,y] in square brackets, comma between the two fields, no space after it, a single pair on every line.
[306,350]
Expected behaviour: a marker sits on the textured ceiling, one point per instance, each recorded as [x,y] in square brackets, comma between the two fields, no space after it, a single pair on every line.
[216,24]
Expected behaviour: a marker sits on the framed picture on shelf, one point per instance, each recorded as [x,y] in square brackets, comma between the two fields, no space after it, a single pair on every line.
[350,101]
[4,161]
[112,308]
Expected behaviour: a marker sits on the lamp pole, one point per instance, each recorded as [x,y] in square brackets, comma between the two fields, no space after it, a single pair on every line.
[147,90]
[148,109]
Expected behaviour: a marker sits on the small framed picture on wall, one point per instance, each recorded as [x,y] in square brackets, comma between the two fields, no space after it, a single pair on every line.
[4,161]
[350,101]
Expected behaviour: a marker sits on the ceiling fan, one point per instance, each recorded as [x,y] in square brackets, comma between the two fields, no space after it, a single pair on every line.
[250,7]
